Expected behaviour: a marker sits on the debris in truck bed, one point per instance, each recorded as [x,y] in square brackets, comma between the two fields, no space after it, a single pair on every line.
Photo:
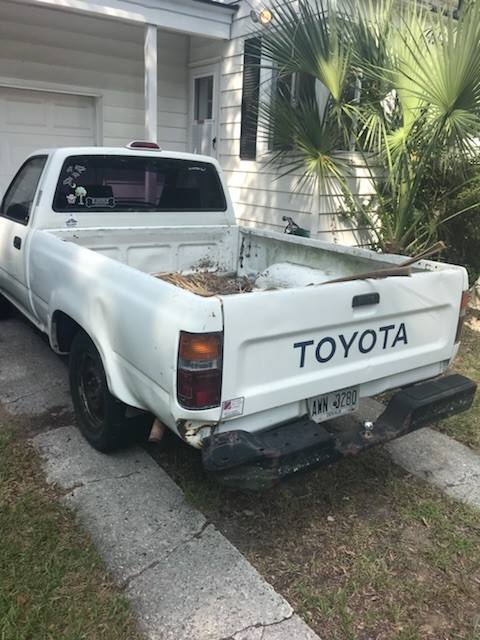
[208,284]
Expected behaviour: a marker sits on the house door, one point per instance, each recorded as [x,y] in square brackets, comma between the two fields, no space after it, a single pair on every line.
[203,109]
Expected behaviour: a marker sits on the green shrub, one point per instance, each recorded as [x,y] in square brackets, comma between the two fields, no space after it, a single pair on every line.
[461,234]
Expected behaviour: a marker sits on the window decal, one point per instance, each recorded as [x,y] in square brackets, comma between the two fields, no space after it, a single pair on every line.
[81,192]
[100,202]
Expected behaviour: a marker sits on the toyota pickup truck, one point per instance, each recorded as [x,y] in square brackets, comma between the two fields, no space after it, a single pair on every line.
[106,249]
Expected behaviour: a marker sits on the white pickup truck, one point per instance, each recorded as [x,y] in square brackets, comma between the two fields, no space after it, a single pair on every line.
[97,249]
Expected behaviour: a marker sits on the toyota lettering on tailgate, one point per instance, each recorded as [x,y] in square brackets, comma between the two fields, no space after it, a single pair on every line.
[386,337]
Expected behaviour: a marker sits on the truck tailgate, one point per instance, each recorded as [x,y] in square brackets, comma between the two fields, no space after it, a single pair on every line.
[286,345]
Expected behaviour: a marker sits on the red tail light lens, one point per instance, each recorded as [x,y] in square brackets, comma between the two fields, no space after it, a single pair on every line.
[199,370]
[463,312]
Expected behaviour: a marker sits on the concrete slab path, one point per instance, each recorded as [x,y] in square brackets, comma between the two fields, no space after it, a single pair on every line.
[33,380]
[441,460]
[186,581]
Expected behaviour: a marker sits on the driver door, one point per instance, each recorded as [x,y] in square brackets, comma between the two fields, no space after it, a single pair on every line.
[15,214]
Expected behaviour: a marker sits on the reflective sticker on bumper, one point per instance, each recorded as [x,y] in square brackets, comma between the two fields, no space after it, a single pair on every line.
[231,408]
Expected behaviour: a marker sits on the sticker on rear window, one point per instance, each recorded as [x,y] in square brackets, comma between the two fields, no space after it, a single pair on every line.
[100,202]
[80,192]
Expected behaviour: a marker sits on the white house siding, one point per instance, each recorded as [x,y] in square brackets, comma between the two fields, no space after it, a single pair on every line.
[54,50]
[260,196]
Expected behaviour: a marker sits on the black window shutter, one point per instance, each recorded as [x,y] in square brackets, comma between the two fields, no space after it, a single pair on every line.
[250,97]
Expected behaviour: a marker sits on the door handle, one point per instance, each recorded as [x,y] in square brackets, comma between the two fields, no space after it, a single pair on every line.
[214,143]
[365,299]
[17,242]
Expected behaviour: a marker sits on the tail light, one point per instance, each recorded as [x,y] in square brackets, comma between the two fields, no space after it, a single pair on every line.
[463,312]
[199,370]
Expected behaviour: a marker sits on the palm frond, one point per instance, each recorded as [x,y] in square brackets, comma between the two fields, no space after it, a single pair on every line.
[303,142]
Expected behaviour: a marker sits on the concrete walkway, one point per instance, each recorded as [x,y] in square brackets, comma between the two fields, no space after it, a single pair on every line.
[185,580]
[33,380]
[442,461]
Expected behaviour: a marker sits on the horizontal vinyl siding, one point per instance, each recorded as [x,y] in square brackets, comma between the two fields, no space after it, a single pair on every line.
[261,198]
[102,56]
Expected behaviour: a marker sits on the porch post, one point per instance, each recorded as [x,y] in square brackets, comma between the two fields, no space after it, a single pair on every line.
[150,59]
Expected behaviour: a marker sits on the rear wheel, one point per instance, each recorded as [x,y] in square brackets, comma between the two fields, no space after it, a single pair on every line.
[101,418]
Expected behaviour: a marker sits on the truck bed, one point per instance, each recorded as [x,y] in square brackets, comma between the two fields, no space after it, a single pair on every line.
[233,260]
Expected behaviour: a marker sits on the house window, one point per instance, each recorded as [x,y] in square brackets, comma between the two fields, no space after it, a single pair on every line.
[203,98]
[291,88]
[250,99]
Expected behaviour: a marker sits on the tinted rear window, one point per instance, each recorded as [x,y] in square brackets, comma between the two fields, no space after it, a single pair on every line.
[132,183]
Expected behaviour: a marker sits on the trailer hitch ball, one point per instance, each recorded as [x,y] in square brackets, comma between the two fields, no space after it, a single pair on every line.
[367,429]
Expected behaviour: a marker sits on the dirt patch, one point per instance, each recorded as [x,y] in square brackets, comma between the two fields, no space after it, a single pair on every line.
[473,320]
[27,426]
[208,284]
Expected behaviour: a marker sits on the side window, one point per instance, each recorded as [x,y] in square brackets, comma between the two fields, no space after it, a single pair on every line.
[18,199]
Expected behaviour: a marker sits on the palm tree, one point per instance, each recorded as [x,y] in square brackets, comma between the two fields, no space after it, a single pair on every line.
[395,80]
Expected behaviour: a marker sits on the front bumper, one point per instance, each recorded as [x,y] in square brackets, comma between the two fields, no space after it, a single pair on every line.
[260,460]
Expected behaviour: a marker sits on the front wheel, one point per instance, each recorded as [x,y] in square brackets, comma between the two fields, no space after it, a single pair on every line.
[100,417]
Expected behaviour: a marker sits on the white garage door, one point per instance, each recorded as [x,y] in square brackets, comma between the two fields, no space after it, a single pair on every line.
[31,120]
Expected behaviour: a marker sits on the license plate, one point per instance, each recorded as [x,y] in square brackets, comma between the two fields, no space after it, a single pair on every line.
[334,404]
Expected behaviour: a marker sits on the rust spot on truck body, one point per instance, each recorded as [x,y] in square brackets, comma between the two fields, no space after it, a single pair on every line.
[193,432]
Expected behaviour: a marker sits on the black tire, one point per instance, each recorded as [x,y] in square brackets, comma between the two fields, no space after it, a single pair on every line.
[100,417]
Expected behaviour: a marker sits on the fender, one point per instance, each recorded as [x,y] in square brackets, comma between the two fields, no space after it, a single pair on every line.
[62,301]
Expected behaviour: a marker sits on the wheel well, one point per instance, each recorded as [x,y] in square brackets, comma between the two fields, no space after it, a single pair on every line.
[64,329]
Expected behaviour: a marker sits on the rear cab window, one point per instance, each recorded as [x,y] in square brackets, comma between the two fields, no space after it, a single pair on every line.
[125,183]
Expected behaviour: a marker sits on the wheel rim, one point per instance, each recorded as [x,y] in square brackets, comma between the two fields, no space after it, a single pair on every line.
[91,391]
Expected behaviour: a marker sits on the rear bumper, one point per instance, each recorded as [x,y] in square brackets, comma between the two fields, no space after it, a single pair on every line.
[259,460]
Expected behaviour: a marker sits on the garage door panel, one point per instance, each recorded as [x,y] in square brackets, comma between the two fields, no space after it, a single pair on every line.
[17,152]
[31,120]
[78,118]
[28,113]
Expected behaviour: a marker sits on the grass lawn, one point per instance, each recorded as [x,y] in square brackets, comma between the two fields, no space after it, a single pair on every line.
[362,550]
[466,426]
[53,585]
